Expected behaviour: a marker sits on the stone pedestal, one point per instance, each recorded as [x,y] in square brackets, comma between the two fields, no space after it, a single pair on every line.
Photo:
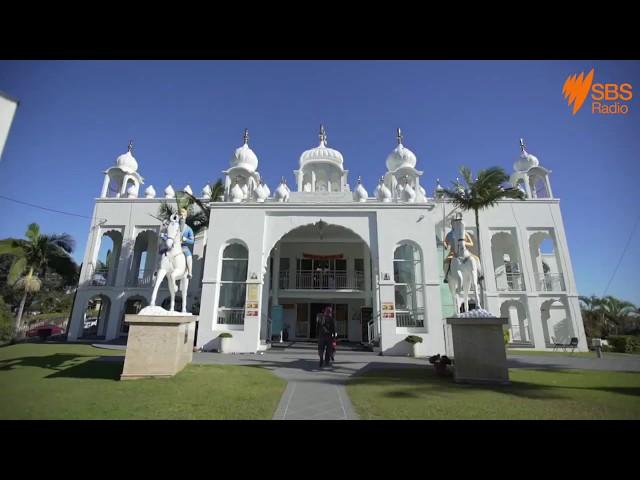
[158,345]
[479,350]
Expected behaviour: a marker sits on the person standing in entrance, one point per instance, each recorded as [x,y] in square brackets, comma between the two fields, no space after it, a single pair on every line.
[326,332]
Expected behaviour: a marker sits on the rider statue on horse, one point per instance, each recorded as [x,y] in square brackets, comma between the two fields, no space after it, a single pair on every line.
[462,268]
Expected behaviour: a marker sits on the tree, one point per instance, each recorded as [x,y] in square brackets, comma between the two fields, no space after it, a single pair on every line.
[33,257]
[483,192]
[196,219]
[616,312]
[592,316]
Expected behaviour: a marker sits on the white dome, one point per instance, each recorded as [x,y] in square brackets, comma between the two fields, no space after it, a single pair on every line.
[245,158]
[322,152]
[169,192]
[400,157]
[127,162]
[525,161]
[150,192]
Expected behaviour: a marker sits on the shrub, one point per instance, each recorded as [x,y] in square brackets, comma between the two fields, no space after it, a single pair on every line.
[6,322]
[225,335]
[507,336]
[624,343]
[413,339]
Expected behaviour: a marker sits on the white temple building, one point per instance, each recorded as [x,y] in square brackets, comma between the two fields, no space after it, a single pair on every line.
[271,259]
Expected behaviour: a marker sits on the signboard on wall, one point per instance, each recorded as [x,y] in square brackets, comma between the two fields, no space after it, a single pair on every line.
[388,310]
[252,293]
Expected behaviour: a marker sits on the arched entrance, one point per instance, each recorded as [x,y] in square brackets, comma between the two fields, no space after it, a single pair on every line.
[313,266]
[96,317]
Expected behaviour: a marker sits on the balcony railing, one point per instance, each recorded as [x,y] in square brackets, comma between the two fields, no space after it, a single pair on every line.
[408,318]
[329,280]
[510,281]
[98,277]
[550,282]
[231,316]
[145,278]
[284,280]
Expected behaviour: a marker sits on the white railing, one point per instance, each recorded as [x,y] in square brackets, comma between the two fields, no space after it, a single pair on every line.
[231,316]
[550,282]
[408,318]
[372,331]
[145,278]
[328,280]
[514,281]
[98,277]
[284,280]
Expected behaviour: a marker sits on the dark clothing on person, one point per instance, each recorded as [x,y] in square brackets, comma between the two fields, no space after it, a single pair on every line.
[326,326]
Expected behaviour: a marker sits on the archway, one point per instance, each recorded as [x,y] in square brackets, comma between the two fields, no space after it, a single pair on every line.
[546,261]
[144,258]
[506,262]
[108,256]
[312,266]
[96,317]
[519,328]
[556,321]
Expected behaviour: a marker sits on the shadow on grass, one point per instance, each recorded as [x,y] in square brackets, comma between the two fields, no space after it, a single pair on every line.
[68,366]
[425,381]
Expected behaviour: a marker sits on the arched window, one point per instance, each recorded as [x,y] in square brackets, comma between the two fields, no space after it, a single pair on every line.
[233,284]
[409,291]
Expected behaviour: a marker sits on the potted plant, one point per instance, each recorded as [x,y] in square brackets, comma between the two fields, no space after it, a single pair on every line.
[414,340]
[224,343]
[440,364]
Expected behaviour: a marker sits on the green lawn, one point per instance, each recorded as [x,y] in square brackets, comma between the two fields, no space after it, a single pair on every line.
[60,381]
[568,354]
[403,394]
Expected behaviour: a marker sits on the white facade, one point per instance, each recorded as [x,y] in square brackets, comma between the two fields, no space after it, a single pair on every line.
[286,254]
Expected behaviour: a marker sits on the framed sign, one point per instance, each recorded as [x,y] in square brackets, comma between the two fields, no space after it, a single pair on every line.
[252,293]
[252,305]
[388,306]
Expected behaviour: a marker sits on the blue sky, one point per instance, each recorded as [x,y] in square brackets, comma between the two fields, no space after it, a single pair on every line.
[76,117]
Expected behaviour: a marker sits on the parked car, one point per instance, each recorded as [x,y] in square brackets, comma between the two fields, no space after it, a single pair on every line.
[48,330]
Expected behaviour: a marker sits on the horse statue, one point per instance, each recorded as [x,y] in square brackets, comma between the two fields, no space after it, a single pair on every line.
[173,263]
[464,269]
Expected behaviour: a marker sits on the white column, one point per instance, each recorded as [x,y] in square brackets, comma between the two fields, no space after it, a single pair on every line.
[313,181]
[105,186]
[546,181]
[367,274]
[276,275]
[527,187]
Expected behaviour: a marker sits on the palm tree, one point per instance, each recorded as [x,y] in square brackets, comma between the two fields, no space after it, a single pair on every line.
[592,316]
[616,312]
[197,220]
[32,259]
[483,192]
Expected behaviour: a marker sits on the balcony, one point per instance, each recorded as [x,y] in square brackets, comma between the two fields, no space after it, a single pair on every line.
[510,282]
[231,316]
[550,282]
[408,318]
[325,280]
[145,279]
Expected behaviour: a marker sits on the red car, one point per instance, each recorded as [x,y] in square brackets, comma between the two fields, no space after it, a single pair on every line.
[45,330]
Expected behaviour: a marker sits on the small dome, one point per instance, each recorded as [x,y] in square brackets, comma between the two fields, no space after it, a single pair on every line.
[400,156]
[127,162]
[525,161]
[244,157]
[322,152]
[169,192]
[188,190]
[207,192]
[150,192]
[360,194]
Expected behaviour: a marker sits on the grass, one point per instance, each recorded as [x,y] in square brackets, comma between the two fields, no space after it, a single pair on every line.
[589,354]
[417,393]
[64,381]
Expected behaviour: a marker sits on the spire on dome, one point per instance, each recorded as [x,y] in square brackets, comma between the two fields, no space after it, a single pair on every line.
[399,136]
[323,136]
[522,145]
[245,137]
[130,147]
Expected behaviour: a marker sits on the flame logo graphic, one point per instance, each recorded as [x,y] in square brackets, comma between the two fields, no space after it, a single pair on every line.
[576,88]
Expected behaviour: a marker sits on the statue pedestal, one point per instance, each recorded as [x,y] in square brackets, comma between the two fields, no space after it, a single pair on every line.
[158,345]
[478,349]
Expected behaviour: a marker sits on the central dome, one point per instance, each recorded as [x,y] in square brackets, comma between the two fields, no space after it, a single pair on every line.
[401,157]
[322,152]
